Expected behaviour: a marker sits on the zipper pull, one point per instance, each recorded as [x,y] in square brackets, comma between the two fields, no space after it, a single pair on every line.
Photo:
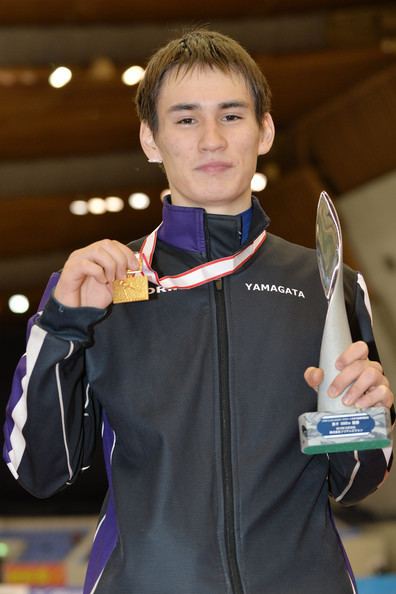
[219,284]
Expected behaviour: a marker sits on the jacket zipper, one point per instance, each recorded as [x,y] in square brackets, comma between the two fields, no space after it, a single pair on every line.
[226,454]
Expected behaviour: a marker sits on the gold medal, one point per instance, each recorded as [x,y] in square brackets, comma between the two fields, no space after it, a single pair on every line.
[132,288]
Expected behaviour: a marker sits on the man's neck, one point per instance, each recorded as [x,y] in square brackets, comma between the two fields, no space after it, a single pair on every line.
[233,207]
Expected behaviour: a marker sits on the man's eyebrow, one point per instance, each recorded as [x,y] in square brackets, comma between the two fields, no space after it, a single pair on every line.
[183,107]
[232,104]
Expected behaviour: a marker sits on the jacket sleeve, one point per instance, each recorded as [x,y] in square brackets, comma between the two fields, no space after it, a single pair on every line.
[354,475]
[51,419]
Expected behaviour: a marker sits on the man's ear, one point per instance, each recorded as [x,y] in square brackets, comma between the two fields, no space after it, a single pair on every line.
[148,144]
[267,134]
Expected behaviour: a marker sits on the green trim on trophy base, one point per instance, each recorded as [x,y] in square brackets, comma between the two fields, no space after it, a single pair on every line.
[326,432]
[327,448]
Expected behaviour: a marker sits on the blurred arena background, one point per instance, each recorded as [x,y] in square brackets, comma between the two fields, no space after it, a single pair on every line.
[71,172]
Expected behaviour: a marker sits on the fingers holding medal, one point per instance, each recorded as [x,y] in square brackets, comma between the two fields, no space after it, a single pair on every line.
[88,274]
[132,288]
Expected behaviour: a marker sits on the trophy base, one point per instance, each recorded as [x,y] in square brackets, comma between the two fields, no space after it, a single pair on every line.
[326,432]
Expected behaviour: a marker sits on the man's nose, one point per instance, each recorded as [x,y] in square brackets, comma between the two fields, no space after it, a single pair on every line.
[212,137]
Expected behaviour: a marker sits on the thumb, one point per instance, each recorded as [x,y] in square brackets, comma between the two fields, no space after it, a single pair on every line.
[313,376]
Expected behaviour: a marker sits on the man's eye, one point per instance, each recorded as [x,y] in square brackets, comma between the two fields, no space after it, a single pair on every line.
[232,117]
[186,121]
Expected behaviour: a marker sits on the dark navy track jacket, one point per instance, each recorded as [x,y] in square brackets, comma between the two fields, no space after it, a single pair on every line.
[196,394]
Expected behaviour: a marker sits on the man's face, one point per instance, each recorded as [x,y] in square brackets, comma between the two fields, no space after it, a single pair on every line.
[208,139]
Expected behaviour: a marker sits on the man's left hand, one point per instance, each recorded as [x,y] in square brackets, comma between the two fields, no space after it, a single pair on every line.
[368,385]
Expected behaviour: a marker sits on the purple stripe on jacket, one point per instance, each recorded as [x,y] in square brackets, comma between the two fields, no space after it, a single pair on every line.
[347,562]
[16,393]
[20,372]
[107,535]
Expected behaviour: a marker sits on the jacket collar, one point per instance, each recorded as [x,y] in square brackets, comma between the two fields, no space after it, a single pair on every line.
[192,229]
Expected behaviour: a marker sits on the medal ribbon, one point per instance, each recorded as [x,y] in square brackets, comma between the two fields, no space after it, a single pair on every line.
[199,275]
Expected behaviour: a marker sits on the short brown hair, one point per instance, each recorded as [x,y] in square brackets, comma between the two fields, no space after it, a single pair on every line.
[202,48]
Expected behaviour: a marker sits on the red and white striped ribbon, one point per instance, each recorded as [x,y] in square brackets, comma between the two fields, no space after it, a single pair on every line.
[199,275]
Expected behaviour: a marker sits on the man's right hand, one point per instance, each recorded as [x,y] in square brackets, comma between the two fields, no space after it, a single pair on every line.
[88,274]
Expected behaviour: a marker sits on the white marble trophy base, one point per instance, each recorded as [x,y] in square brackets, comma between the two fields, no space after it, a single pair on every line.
[327,432]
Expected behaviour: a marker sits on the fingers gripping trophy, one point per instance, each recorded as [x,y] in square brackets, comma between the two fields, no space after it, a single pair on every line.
[336,427]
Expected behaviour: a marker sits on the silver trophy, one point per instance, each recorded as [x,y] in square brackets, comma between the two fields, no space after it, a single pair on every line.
[336,427]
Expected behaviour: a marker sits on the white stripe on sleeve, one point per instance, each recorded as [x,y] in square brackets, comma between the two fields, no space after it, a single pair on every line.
[62,411]
[353,475]
[363,286]
[19,414]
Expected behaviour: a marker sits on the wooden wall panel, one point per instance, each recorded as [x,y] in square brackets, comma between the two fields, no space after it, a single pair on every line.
[291,204]
[352,140]
[14,12]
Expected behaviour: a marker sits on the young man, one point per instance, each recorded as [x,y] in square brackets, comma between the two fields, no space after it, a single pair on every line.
[198,389]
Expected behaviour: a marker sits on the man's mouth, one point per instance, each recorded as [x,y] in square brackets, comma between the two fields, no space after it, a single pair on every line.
[214,166]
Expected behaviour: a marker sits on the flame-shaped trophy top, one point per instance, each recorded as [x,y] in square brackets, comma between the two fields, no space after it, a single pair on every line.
[328,244]
[336,333]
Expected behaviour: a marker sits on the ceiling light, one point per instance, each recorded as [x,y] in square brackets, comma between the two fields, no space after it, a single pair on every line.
[60,77]
[78,207]
[132,75]
[18,304]
[97,206]
[114,203]
[139,201]
[259,182]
